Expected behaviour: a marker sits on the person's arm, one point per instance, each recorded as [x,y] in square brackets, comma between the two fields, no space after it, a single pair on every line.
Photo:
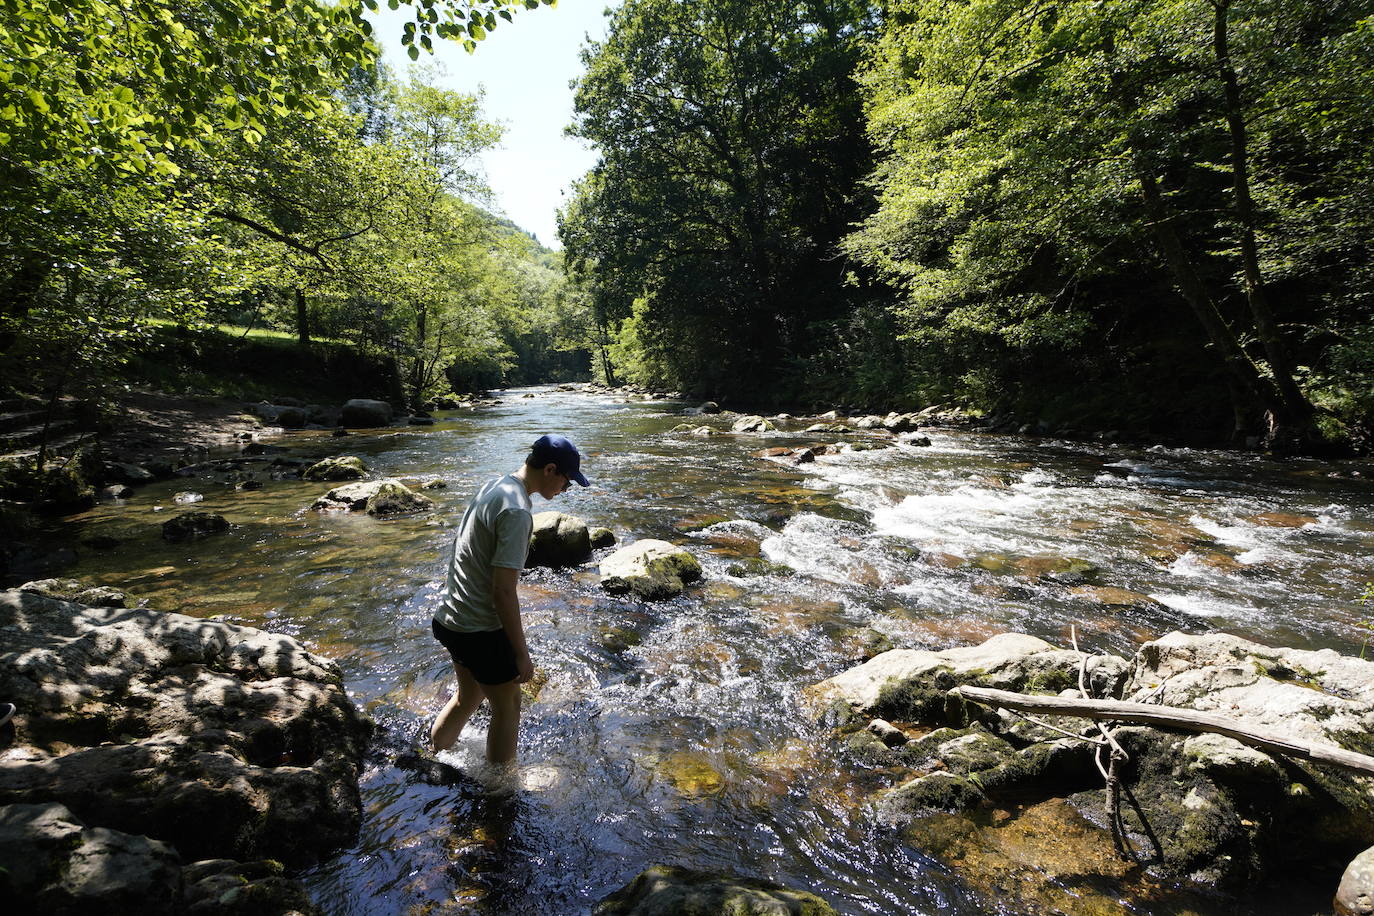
[507,601]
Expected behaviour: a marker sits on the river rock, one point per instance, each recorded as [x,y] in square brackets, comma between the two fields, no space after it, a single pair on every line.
[901,422]
[601,537]
[342,467]
[394,498]
[1204,807]
[558,540]
[649,569]
[215,887]
[1209,829]
[218,740]
[190,526]
[117,491]
[376,497]
[911,684]
[292,418]
[125,472]
[664,890]
[1115,598]
[1355,896]
[752,424]
[362,413]
[55,863]
[78,591]
[709,407]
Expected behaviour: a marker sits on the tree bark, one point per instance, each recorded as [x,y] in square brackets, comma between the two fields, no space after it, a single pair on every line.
[1296,409]
[1266,739]
[1240,369]
[302,318]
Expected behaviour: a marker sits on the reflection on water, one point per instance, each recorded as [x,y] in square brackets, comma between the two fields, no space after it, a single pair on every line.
[671,733]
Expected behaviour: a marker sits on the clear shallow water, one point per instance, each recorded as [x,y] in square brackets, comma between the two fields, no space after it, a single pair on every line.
[673,732]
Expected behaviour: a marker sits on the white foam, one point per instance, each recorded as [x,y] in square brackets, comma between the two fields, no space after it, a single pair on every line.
[1201,605]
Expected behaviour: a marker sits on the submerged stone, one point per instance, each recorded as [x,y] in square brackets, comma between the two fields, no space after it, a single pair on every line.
[671,891]
[190,526]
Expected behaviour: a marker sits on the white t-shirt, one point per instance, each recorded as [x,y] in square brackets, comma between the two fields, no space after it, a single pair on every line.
[495,531]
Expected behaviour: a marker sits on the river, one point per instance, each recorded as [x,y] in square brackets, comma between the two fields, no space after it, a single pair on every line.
[672,732]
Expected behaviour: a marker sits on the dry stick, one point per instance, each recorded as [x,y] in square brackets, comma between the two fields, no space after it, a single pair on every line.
[1118,754]
[1173,717]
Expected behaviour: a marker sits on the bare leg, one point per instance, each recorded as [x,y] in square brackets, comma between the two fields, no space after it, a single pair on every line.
[505,720]
[451,719]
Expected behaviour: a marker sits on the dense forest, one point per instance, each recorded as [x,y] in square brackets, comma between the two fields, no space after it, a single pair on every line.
[1145,215]
[1150,215]
[252,164]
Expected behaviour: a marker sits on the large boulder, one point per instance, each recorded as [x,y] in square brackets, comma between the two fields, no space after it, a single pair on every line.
[1216,825]
[912,684]
[376,497]
[1203,807]
[672,891]
[214,740]
[558,540]
[649,569]
[54,863]
[1355,896]
[363,413]
[752,424]
[341,467]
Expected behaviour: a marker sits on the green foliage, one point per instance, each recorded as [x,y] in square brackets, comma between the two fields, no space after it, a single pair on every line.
[123,84]
[1034,159]
[732,146]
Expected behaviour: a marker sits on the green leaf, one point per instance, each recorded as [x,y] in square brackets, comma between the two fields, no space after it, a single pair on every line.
[414,52]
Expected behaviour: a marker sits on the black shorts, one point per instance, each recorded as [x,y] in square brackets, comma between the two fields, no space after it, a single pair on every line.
[488,655]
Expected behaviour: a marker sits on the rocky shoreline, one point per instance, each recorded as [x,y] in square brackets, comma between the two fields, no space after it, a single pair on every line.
[1199,809]
[165,764]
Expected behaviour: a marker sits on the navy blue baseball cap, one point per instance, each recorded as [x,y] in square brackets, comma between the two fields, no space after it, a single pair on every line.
[560,452]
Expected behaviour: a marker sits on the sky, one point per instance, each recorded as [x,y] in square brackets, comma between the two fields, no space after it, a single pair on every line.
[524,67]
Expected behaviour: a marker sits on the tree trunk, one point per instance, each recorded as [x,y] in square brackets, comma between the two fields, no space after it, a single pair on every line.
[302,318]
[18,294]
[1297,410]
[1240,370]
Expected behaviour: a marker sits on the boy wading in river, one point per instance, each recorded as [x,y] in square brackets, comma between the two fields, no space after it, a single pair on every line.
[479,618]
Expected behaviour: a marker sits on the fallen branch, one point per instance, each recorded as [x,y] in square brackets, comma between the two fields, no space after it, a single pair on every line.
[1173,717]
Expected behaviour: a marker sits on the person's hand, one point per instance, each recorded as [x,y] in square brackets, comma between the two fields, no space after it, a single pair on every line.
[524,668]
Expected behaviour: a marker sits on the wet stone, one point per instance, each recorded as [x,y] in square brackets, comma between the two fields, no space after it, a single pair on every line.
[342,467]
[673,891]
[191,526]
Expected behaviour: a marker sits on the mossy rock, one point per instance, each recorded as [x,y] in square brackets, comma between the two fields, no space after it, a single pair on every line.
[758,566]
[932,793]
[395,498]
[343,467]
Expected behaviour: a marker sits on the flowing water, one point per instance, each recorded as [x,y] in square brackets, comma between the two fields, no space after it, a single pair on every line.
[674,732]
